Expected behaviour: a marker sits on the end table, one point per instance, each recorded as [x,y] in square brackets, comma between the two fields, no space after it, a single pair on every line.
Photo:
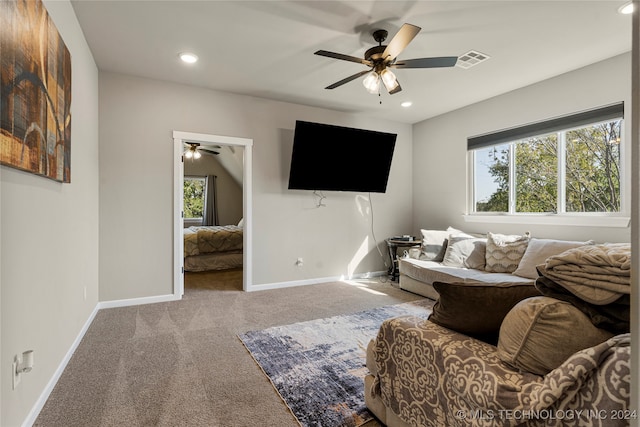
[393,245]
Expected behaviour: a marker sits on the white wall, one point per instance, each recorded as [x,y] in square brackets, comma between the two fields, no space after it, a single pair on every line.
[440,146]
[49,252]
[137,117]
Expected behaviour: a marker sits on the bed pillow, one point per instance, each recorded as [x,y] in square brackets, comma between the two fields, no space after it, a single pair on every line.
[538,250]
[465,252]
[540,333]
[477,310]
[434,243]
[504,252]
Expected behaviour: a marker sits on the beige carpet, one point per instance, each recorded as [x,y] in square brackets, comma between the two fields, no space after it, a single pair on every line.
[181,364]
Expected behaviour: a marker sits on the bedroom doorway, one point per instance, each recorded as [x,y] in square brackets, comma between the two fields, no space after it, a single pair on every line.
[209,142]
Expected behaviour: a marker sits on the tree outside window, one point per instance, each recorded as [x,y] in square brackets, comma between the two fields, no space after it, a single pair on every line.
[194,193]
[575,170]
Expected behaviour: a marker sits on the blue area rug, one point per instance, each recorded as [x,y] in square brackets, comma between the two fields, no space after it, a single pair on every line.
[318,367]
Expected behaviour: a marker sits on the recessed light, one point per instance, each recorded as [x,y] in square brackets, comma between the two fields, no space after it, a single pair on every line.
[189,57]
[406,104]
[626,9]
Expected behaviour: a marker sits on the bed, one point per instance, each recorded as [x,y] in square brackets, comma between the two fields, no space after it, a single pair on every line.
[212,247]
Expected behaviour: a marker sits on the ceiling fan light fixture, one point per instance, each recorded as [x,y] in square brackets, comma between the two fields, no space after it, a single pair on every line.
[372,82]
[389,79]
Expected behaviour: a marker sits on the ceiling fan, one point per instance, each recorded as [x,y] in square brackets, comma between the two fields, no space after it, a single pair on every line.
[382,57]
[194,150]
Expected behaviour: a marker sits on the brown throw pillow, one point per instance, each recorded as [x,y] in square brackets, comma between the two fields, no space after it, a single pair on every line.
[540,333]
[477,310]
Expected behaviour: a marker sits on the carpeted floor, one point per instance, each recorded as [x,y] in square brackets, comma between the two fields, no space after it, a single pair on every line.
[181,363]
[318,366]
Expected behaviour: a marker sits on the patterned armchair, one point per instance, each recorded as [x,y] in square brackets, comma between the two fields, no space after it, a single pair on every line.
[423,374]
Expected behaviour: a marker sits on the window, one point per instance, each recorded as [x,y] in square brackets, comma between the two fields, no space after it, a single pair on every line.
[565,165]
[194,198]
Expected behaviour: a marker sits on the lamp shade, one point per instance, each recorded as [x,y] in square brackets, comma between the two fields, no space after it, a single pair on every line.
[372,82]
[389,79]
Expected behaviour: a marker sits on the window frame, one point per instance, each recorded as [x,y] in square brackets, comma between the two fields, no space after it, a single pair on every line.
[560,126]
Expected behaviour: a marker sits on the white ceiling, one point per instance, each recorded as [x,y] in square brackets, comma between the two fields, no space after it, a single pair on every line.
[265,48]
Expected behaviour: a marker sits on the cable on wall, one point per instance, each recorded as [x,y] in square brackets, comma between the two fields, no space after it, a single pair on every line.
[373,234]
[320,199]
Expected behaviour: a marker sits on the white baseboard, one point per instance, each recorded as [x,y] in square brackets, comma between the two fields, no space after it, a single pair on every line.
[290,284]
[137,301]
[37,407]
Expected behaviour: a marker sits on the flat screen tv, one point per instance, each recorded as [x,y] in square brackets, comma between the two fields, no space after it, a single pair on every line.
[336,158]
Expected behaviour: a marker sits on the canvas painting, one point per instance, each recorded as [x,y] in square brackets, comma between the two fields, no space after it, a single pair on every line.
[35,92]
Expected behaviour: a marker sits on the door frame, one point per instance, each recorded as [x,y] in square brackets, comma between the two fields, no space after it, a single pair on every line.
[179,139]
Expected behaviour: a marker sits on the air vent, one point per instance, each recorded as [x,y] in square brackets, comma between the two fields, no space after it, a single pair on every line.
[471,58]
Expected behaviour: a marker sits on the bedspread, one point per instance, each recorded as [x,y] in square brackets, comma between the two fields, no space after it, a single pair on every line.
[211,239]
[431,376]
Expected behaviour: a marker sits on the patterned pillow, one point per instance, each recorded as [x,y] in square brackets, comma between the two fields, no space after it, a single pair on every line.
[504,252]
[540,333]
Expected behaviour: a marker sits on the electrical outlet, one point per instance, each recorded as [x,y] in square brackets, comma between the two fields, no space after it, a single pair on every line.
[299,262]
[15,375]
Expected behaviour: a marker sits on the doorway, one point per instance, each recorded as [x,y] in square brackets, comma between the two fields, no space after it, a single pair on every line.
[180,139]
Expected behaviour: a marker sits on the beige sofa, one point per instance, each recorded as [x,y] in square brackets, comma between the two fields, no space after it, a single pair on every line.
[452,256]
[561,354]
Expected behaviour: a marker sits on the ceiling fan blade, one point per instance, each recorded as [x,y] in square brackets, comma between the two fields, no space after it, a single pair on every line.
[441,61]
[348,79]
[400,41]
[343,57]
[204,150]
[396,89]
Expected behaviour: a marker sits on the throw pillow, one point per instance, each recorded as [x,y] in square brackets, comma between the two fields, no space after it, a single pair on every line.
[465,252]
[504,252]
[540,333]
[434,243]
[477,309]
[538,250]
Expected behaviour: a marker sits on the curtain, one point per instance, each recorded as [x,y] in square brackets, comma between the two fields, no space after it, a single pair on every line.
[211,202]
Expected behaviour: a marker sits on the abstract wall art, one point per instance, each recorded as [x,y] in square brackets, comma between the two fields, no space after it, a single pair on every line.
[35,92]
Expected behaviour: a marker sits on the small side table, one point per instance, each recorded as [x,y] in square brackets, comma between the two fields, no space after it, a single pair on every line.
[393,245]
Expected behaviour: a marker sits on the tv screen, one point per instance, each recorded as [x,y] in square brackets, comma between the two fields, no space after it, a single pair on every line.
[336,158]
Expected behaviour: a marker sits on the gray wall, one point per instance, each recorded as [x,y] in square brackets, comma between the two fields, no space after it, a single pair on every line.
[49,255]
[137,117]
[229,192]
[440,146]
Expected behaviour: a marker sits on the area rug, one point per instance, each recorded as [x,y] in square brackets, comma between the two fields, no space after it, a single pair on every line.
[318,367]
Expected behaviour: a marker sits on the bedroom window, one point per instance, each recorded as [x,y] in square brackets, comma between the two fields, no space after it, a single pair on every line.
[194,198]
[567,165]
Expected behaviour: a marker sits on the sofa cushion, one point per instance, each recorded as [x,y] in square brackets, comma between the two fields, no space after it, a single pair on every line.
[504,252]
[538,250]
[540,333]
[434,243]
[465,252]
[475,309]
[429,272]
